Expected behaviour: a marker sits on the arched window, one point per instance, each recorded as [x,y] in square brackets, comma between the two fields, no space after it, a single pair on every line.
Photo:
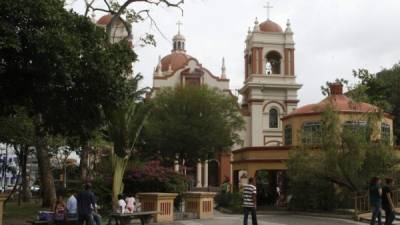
[288,135]
[273,63]
[357,128]
[385,132]
[311,133]
[273,118]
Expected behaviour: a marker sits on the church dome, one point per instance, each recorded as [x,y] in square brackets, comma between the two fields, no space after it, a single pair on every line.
[270,26]
[105,20]
[176,60]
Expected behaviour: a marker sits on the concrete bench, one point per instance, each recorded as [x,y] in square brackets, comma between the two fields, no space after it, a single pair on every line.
[120,218]
[46,222]
[38,222]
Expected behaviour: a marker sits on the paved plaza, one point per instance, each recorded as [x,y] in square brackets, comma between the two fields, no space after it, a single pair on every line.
[269,220]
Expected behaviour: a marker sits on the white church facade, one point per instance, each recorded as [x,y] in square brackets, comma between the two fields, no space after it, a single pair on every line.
[270,89]
[269,92]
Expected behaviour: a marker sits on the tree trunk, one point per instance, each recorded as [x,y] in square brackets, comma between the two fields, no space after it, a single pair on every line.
[47,186]
[26,192]
[119,165]
[84,163]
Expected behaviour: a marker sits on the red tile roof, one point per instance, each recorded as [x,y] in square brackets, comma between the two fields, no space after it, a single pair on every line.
[339,103]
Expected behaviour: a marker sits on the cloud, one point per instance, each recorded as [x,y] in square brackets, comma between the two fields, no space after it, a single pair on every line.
[332,37]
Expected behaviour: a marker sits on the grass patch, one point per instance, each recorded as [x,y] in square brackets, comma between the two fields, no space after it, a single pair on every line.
[25,211]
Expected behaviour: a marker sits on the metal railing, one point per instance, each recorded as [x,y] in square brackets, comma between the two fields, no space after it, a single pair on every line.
[362,204]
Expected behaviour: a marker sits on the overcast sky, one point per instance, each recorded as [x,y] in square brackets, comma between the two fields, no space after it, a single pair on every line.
[332,37]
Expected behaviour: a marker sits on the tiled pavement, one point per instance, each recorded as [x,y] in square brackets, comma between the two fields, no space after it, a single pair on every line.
[221,219]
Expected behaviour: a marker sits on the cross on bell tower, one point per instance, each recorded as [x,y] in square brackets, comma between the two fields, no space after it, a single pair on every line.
[268,7]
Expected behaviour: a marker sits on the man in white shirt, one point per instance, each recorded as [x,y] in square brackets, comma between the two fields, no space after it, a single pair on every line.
[72,205]
[249,202]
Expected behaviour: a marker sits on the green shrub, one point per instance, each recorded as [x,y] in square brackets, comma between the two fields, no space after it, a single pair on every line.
[312,195]
[230,201]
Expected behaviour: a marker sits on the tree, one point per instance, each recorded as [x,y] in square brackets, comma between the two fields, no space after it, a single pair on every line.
[18,131]
[124,125]
[346,159]
[62,69]
[193,122]
[119,8]
[381,89]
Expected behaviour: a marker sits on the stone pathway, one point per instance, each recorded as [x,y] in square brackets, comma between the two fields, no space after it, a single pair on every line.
[269,220]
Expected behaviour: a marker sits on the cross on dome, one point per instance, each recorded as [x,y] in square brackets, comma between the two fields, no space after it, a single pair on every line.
[268,7]
[179,23]
[179,39]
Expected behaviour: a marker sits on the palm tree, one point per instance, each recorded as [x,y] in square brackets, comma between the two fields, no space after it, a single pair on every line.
[124,125]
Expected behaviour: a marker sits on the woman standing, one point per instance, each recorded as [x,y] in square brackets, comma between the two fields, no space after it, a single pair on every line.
[375,199]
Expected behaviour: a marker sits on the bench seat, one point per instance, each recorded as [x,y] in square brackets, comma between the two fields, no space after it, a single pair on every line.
[119,218]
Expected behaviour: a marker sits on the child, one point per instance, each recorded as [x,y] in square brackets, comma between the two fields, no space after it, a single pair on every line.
[130,204]
[121,204]
[59,212]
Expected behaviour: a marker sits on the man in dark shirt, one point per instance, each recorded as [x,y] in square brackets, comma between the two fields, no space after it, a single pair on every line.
[86,203]
[387,201]
[375,198]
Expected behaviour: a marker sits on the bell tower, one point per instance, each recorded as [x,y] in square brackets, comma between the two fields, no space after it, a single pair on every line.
[270,88]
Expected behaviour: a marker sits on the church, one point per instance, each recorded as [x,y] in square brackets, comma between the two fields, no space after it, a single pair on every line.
[274,125]
[269,92]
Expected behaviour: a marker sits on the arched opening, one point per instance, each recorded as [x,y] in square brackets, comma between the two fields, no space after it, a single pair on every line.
[273,118]
[273,63]
[249,65]
[271,187]
[213,173]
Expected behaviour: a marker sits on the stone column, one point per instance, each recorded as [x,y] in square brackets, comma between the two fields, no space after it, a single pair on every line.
[198,183]
[256,126]
[200,203]
[205,173]
[3,197]
[176,166]
[161,203]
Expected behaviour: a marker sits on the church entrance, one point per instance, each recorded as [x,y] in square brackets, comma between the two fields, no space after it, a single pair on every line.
[271,187]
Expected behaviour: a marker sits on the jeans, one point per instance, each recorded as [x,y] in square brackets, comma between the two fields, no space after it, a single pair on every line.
[376,214]
[246,211]
[72,215]
[85,218]
[389,214]
[96,219]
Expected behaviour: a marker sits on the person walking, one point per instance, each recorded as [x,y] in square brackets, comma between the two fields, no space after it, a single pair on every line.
[249,201]
[86,201]
[375,198]
[387,201]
